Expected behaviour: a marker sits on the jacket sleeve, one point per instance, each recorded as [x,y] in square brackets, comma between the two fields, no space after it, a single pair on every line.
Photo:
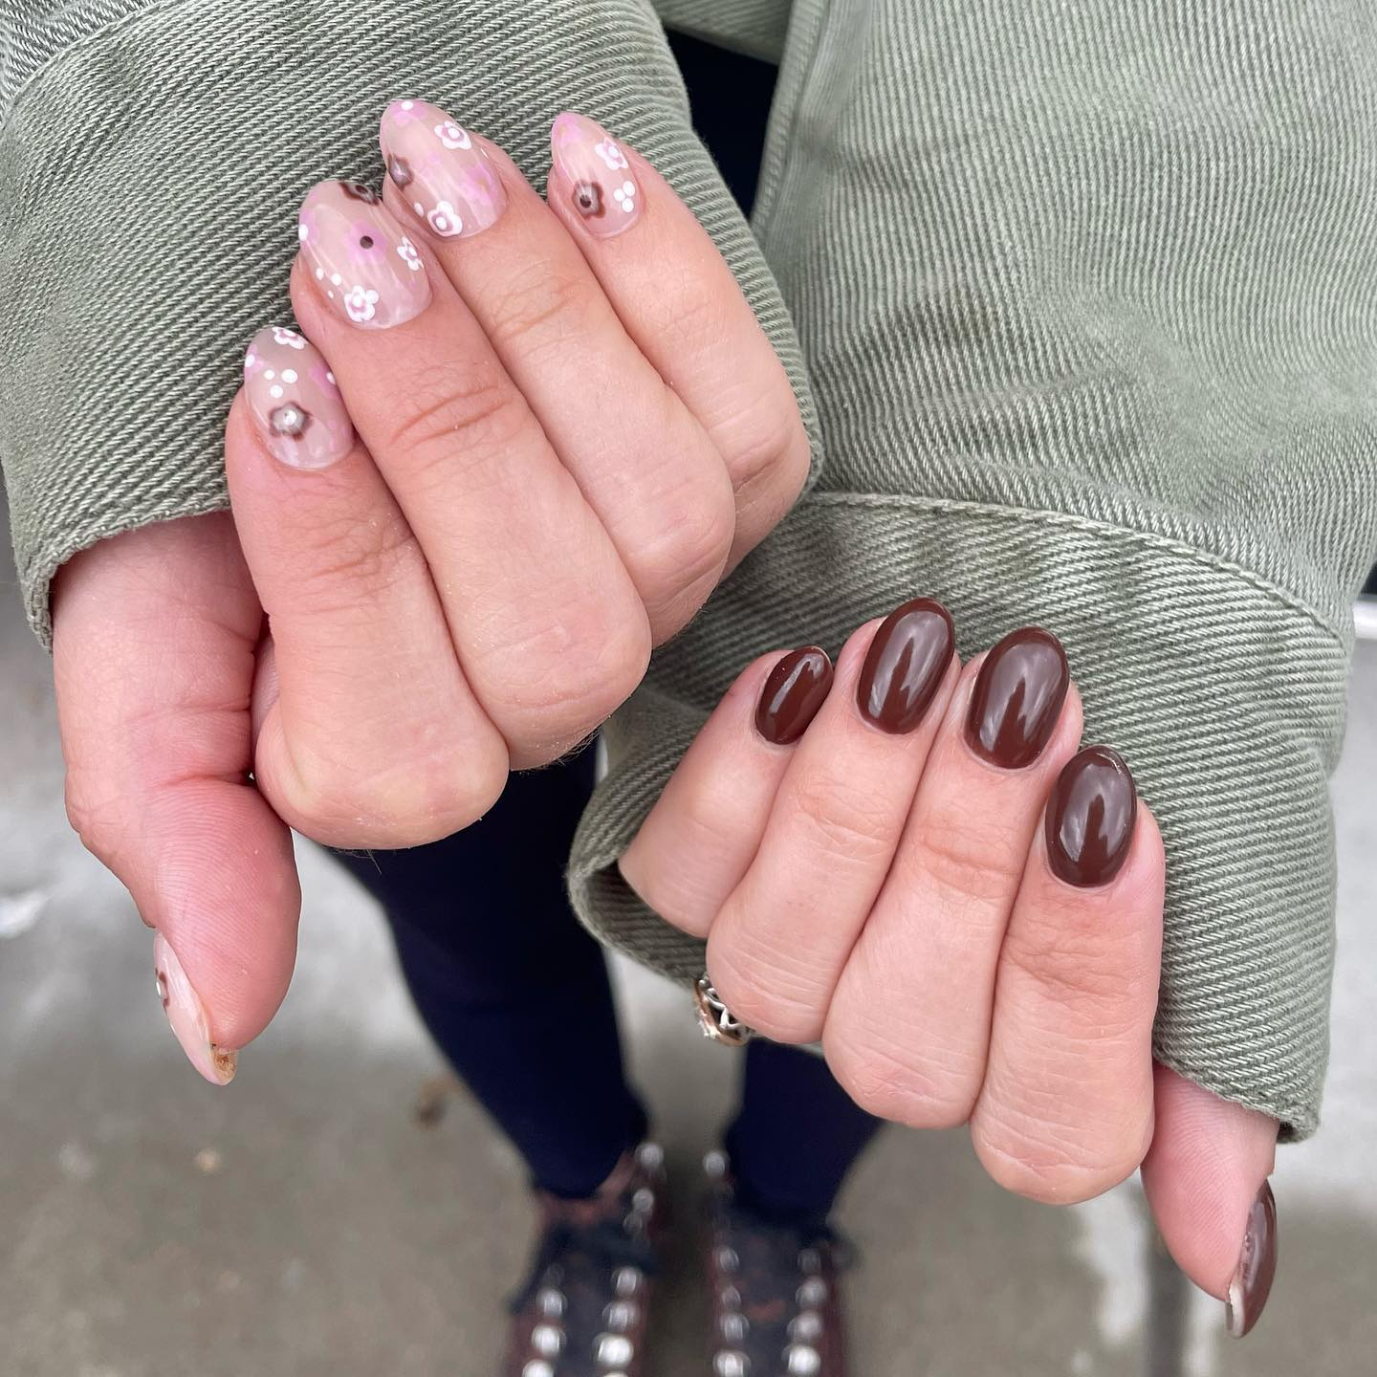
[152,157]
[1088,296]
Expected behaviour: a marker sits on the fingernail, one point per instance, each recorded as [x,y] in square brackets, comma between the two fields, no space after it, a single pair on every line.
[1257,1265]
[904,666]
[597,179]
[792,695]
[444,175]
[187,1015]
[1090,818]
[294,401]
[367,268]
[1017,698]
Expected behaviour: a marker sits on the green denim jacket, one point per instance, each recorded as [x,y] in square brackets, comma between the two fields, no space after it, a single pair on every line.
[1080,303]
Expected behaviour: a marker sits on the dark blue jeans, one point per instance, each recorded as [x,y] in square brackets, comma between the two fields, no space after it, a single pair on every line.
[516,994]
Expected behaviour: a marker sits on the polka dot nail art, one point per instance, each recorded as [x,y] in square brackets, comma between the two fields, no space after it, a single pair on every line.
[595,176]
[441,170]
[294,401]
[364,264]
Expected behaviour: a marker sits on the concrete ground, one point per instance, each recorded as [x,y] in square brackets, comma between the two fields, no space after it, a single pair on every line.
[316,1220]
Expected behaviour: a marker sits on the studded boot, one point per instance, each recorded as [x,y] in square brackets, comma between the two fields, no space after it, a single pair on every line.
[773,1290]
[582,1311]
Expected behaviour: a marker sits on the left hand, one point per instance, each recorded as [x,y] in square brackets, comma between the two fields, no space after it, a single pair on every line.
[911,863]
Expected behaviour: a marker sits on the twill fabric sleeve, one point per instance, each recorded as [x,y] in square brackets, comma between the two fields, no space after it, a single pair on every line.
[1088,298]
[153,154]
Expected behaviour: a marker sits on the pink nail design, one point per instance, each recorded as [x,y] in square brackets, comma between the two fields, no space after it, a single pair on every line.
[363,263]
[294,400]
[597,176]
[187,1015]
[445,176]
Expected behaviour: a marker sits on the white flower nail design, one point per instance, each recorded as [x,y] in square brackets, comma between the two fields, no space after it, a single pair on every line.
[625,196]
[406,251]
[452,136]
[288,337]
[610,154]
[445,220]
[361,304]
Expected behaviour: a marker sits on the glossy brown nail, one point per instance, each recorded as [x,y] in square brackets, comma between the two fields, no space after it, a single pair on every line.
[1090,818]
[1257,1264]
[1017,698]
[792,695]
[904,666]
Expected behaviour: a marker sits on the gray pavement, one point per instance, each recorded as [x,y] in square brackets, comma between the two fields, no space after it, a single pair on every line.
[321,1217]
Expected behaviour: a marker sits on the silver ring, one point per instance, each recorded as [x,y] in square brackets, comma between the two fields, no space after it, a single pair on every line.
[715,1019]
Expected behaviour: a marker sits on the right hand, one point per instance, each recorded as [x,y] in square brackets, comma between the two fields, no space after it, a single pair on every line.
[565,438]
[913,864]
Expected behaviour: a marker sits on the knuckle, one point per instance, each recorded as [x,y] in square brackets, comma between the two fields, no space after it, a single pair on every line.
[551,681]
[546,304]
[776,994]
[1084,975]
[895,1090]
[686,556]
[347,559]
[95,816]
[967,858]
[898,1083]
[843,818]
[769,452]
[458,409]
[1056,1164]
[422,799]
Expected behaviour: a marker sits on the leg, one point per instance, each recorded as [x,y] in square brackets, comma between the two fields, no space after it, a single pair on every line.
[796,1134]
[512,989]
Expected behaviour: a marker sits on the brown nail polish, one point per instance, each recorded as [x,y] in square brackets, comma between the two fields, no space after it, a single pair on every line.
[792,695]
[1257,1264]
[1017,698]
[1090,817]
[904,666]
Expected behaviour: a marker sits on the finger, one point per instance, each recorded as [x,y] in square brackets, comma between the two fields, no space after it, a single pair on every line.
[778,945]
[1066,1109]
[153,650]
[375,738]
[699,838]
[1206,1179]
[909,1025]
[644,464]
[549,630]
[680,303]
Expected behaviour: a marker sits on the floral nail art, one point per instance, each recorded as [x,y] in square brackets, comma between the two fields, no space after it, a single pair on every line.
[444,174]
[294,401]
[365,267]
[594,174]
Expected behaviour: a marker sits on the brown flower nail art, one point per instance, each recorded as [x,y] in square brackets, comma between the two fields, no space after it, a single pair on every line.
[294,401]
[367,269]
[447,177]
[595,174]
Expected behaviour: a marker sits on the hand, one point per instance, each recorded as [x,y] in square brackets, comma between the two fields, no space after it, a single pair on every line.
[154,641]
[570,424]
[569,441]
[915,865]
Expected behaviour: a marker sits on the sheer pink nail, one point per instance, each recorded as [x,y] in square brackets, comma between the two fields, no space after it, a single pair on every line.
[187,1015]
[362,261]
[440,169]
[595,176]
[294,401]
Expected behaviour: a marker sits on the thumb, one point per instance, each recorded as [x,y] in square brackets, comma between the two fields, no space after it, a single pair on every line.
[154,651]
[1205,1177]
